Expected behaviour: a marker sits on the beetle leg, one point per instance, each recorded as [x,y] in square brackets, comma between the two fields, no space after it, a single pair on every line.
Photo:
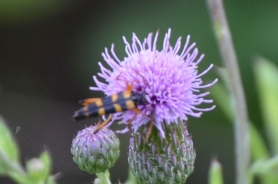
[103,124]
[136,110]
[150,130]
[130,121]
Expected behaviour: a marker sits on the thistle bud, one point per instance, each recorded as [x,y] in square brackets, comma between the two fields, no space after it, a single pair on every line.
[162,160]
[95,152]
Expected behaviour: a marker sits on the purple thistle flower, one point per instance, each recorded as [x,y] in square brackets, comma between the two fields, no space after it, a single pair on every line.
[168,78]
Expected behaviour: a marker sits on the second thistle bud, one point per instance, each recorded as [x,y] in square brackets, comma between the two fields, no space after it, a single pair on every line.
[95,152]
[167,160]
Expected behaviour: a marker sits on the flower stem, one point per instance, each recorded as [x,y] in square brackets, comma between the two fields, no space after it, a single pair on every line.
[103,178]
[241,126]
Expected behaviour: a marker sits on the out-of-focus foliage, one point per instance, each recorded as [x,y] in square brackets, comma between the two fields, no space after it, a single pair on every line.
[266,74]
[221,96]
[215,173]
[264,166]
[37,169]
[15,11]
[8,147]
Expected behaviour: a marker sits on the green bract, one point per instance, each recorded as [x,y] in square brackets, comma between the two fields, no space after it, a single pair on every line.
[95,152]
[162,160]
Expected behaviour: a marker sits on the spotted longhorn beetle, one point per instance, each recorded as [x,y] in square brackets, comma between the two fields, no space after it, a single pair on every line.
[124,100]
[118,102]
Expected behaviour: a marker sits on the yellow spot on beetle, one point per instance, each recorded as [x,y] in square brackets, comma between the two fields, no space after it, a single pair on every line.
[86,111]
[118,108]
[126,94]
[114,97]
[99,103]
[101,111]
[129,104]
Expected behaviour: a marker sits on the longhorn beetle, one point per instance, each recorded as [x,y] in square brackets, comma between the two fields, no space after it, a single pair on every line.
[118,102]
[122,101]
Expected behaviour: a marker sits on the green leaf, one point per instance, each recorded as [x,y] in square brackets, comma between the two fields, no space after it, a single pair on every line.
[215,173]
[266,74]
[258,147]
[221,98]
[265,166]
[51,180]
[223,74]
[39,168]
[46,159]
[19,177]
[8,147]
[266,170]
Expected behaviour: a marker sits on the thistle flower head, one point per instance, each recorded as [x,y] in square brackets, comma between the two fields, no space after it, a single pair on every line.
[162,160]
[168,79]
[95,152]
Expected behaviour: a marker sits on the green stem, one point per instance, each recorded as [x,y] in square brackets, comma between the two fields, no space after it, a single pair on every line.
[13,169]
[10,164]
[131,178]
[241,126]
[103,178]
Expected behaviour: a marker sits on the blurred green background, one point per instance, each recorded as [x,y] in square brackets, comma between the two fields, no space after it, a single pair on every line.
[50,49]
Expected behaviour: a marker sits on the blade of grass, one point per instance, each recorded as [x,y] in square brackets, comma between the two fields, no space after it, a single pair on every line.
[215,173]
[257,144]
[266,74]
